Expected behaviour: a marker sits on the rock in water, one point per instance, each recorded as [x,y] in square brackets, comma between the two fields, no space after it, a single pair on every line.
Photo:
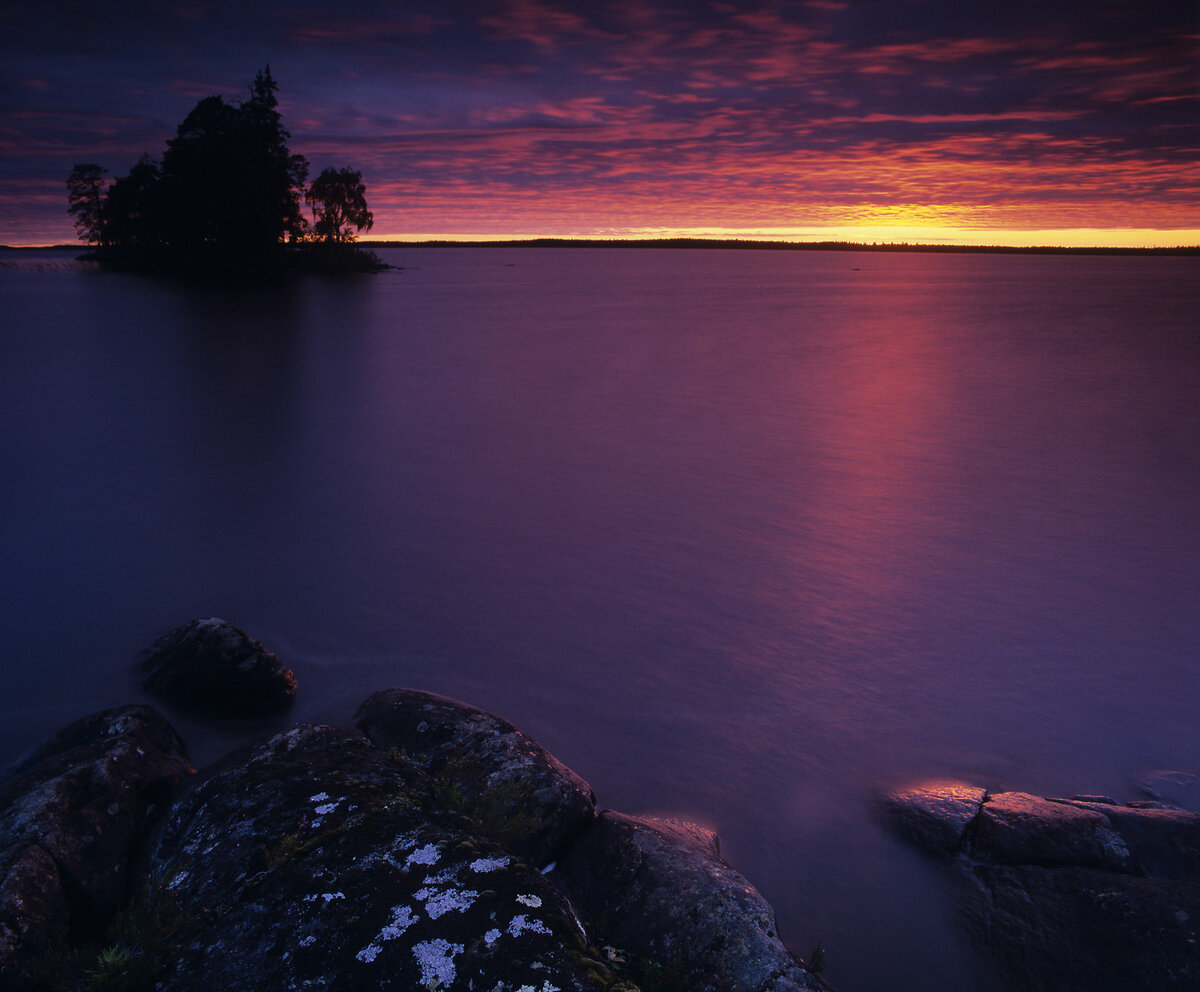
[72,814]
[1179,789]
[667,899]
[934,815]
[315,860]
[517,791]
[212,667]
[1072,894]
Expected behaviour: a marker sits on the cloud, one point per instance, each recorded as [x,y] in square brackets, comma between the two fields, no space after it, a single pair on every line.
[650,113]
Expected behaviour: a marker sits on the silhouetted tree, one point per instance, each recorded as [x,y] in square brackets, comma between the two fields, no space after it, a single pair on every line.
[227,194]
[338,199]
[276,175]
[229,179]
[132,214]
[85,201]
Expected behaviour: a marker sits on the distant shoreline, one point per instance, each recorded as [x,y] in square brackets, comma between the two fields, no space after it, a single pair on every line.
[735,244]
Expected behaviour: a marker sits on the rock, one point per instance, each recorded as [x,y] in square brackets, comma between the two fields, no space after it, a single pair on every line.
[1016,828]
[481,765]
[1070,929]
[320,858]
[324,856]
[71,816]
[1179,789]
[1162,843]
[934,815]
[677,911]
[1078,894]
[212,667]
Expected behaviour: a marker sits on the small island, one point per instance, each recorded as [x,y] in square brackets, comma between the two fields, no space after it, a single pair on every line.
[226,198]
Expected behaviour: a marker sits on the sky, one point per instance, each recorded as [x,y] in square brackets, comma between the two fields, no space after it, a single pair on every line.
[1049,122]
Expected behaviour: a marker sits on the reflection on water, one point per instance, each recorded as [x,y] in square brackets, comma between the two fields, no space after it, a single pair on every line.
[737,535]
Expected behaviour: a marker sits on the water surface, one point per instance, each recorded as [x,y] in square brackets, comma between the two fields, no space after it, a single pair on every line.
[741,536]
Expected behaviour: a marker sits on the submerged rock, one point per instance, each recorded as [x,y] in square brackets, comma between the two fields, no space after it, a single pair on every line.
[517,791]
[212,667]
[1178,789]
[1074,894]
[323,856]
[680,913]
[72,815]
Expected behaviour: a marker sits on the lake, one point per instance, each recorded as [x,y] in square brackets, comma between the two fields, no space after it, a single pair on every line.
[742,536]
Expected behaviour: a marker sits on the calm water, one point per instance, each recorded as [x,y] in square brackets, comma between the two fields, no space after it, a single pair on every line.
[738,535]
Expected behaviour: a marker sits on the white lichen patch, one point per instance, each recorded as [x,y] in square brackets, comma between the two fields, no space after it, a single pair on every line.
[328,897]
[1113,843]
[320,797]
[436,961]
[307,941]
[326,808]
[523,924]
[529,900]
[402,918]
[481,865]
[491,936]
[427,855]
[178,880]
[438,902]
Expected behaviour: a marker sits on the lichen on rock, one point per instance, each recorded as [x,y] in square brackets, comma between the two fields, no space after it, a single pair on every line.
[482,765]
[382,887]
[72,814]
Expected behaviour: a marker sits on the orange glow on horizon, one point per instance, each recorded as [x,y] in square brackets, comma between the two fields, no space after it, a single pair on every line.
[966,237]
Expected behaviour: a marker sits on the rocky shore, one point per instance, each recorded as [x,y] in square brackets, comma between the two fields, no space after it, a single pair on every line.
[427,845]
[1079,893]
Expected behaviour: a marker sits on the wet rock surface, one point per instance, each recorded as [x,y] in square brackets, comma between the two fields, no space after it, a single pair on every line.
[1072,894]
[484,766]
[72,817]
[213,668]
[668,899]
[343,858]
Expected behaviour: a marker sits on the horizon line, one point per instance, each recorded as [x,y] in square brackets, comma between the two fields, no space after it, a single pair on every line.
[700,241]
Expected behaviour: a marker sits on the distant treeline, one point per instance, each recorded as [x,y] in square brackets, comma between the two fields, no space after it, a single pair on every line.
[749,244]
[227,193]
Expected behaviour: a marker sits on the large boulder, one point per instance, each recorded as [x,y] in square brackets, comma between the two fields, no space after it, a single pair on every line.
[326,857]
[72,814]
[664,900]
[214,668]
[1072,894]
[479,764]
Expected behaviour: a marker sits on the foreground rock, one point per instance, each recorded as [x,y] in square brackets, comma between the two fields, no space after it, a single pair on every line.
[72,815]
[672,905]
[212,667]
[1082,893]
[485,767]
[410,854]
[328,858]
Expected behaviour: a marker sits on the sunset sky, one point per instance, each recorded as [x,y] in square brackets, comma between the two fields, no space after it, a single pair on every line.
[945,120]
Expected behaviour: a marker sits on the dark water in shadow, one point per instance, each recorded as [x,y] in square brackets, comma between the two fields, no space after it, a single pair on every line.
[737,535]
